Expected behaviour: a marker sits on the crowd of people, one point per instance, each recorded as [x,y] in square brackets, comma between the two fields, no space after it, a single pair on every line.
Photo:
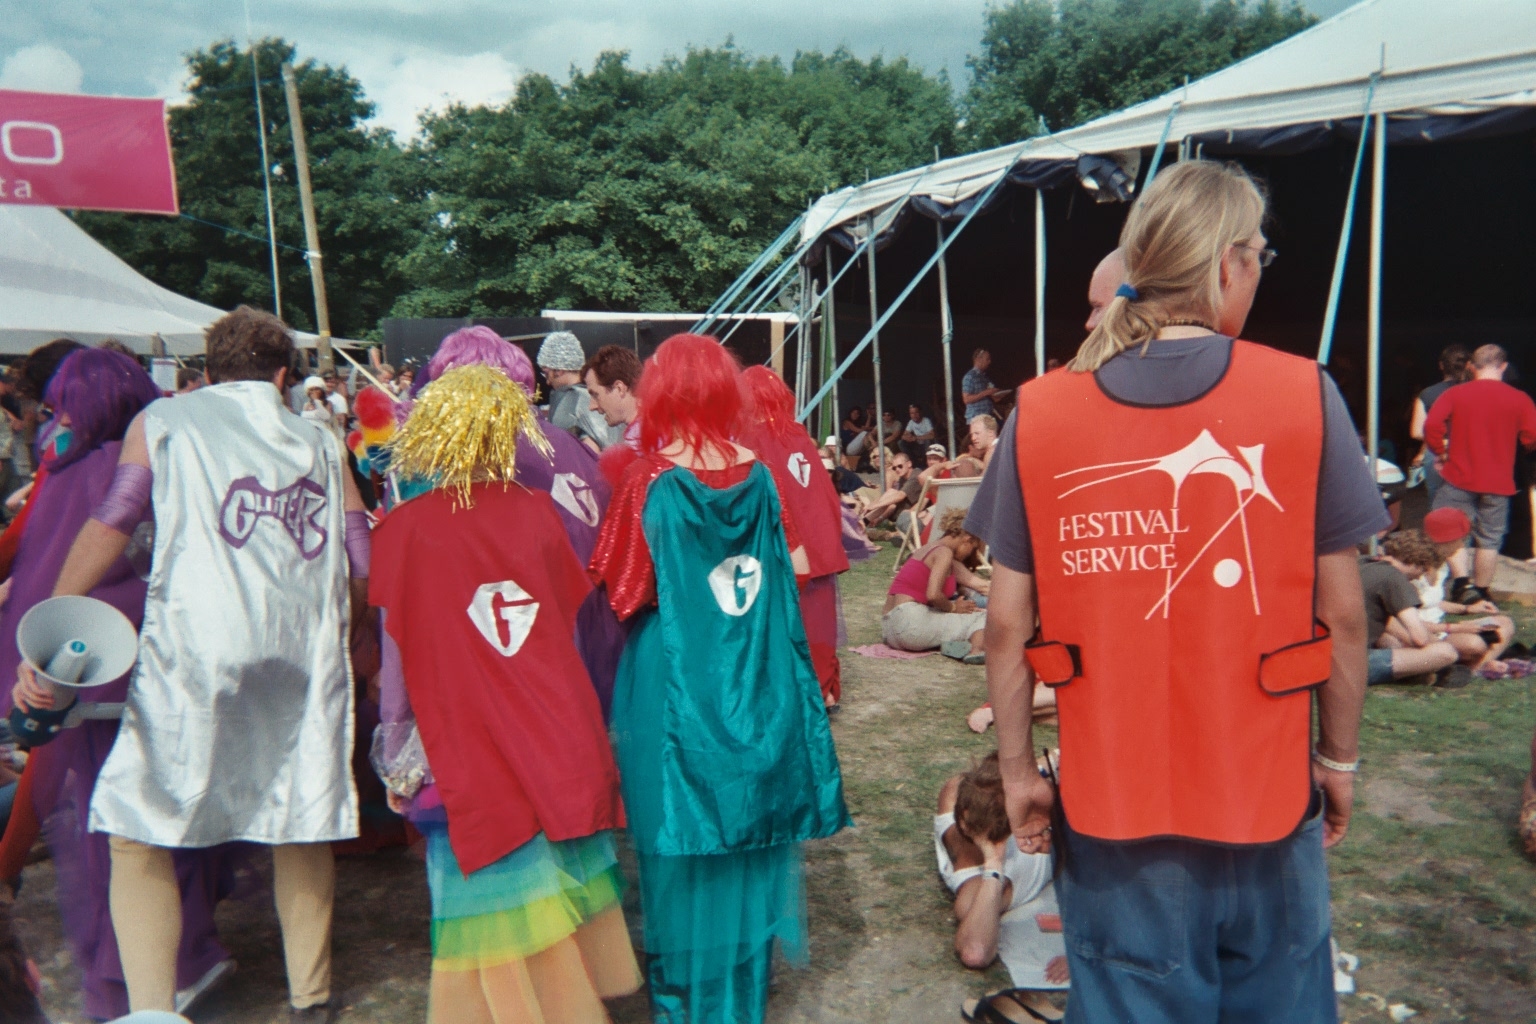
[493,724]
[1176,519]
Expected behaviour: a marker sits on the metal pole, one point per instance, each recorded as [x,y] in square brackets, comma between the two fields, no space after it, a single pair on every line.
[946,335]
[311,232]
[829,353]
[874,321]
[804,346]
[1039,283]
[1373,302]
[1341,258]
[266,165]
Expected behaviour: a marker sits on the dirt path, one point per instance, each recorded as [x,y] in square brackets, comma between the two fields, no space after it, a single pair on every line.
[1429,890]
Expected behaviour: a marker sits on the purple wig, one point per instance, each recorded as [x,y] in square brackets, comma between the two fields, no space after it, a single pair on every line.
[101,391]
[479,346]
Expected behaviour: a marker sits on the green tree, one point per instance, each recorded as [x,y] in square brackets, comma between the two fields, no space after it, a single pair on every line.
[1069,61]
[652,189]
[367,223]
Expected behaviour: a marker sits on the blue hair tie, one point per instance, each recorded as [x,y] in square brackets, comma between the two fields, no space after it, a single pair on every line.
[1129,292]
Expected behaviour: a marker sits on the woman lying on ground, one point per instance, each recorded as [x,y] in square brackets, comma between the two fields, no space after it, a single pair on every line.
[992,880]
[923,610]
[1044,710]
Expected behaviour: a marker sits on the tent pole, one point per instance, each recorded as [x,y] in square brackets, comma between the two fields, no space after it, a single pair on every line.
[1157,154]
[266,167]
[1335,287]
[946,336]
[874,324]
[829,356]
[311,231]
[1373,304]
[976,206]
[1039,282]
[802,340]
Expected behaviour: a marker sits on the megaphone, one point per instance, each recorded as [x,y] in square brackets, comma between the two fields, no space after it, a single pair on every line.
[72,643]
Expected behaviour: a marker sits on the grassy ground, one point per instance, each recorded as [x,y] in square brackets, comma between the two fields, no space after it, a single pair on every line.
[1430,889]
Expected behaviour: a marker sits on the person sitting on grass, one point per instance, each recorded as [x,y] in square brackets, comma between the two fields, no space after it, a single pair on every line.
[991,880]
[902,490]
[941,467]
[923,609]
[1481,641]
[1401,646]
[984,434]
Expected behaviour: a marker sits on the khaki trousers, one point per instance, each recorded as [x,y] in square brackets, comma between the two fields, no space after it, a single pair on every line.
[146,915]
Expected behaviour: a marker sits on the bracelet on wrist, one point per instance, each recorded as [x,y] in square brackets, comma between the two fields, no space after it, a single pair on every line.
[993,873]
[1336,766]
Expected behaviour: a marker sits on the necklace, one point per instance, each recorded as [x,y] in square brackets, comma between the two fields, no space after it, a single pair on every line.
[1187,322]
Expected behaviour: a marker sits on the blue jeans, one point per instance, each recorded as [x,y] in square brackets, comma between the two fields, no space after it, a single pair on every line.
[1171,931]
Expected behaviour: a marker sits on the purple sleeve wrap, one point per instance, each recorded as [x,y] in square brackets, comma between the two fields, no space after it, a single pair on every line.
[359,544]
[126,503]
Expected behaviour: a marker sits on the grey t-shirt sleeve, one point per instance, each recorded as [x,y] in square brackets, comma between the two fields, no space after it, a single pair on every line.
[997,511]
[1349,506]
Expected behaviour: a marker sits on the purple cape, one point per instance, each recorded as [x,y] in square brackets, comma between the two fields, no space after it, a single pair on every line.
[581,497]
[64,771]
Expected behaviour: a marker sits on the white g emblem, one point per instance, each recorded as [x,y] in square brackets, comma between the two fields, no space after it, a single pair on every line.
[504,604]
[800,469]
[735,583]
[572,494]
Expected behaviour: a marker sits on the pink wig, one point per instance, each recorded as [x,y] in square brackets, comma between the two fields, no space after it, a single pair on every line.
[479,346]
[689,391]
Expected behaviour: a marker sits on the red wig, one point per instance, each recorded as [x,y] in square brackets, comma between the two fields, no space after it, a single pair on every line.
[690,391]
[770,405]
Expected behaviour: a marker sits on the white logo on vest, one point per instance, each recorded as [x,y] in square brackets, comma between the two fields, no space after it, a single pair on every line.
[504,604]
[573,494]
[1138,527]
[735,583]
[800,469]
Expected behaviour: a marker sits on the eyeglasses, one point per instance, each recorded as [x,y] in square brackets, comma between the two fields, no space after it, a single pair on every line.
[1266,256]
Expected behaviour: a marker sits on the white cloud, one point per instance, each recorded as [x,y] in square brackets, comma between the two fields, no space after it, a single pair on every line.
[41,68]
[402,85]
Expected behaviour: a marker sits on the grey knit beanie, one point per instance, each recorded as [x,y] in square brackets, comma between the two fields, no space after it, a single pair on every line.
[562,351]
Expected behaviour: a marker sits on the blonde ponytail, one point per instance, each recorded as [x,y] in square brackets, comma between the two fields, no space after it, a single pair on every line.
[1172,245]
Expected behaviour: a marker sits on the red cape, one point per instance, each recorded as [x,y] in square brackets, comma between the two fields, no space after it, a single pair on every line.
[483,603]
[806,486]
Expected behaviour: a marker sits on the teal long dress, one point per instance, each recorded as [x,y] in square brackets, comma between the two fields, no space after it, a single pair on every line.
[724,750]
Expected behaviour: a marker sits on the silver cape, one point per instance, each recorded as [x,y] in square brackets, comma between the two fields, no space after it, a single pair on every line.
[239,717]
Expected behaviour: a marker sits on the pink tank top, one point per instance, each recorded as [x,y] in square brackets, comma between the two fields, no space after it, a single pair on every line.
[912,581]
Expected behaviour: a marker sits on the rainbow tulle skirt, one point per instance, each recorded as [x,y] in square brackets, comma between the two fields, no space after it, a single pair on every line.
[522,904]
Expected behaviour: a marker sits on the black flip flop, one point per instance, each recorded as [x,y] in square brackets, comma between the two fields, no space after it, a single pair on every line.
[986,1010]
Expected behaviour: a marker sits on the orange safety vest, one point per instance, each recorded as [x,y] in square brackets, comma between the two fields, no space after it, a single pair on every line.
[1175,563]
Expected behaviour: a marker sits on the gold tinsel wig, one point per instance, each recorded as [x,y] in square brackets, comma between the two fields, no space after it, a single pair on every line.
[464,429]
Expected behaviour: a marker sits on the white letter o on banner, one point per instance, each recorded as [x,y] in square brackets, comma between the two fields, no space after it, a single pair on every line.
[37,126]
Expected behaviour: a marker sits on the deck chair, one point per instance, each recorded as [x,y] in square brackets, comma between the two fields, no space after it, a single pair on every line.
[938,497]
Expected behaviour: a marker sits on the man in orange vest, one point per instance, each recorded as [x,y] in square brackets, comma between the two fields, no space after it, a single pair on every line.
[1181,509]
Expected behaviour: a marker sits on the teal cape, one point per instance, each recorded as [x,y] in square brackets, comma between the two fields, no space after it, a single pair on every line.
[724,750]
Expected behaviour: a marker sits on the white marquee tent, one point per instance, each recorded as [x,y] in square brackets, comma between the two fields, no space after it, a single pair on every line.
[57,281]
[1426,64]
[1431,57]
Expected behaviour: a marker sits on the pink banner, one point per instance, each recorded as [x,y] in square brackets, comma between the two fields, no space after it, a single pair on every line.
[85,152]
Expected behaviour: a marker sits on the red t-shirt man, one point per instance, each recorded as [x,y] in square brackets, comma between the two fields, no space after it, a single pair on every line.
[1485,418]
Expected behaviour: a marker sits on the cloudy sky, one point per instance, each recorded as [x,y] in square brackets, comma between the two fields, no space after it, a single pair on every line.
[415,54]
